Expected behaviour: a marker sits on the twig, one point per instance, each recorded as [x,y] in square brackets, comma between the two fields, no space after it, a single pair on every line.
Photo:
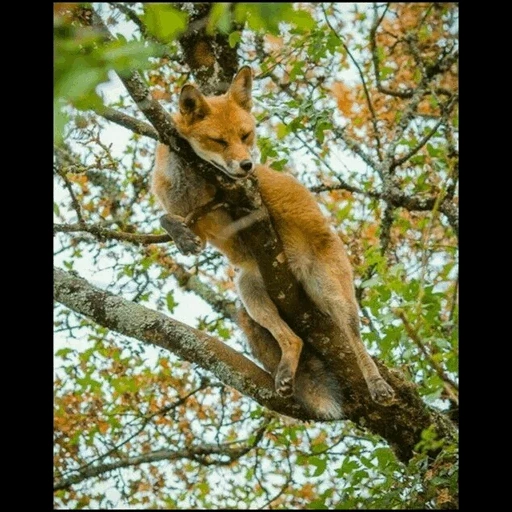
[108,234]
[74,201]
[129,122]
[363,81]
[451,386]
[197,453]
[375,59]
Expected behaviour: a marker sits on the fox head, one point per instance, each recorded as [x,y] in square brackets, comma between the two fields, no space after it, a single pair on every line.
[221,129]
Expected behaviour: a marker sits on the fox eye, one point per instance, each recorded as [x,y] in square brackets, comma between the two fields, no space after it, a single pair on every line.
[246,136]
[222,142]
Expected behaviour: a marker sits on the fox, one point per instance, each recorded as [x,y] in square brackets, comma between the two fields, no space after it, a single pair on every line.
[221,130]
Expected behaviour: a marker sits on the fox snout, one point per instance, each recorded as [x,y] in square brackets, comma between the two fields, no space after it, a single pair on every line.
[246,165]
[242,169]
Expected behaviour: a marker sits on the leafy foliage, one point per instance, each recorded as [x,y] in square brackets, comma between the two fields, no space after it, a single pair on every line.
[360,102]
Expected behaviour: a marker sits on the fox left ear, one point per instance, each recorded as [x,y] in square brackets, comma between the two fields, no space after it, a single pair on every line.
[192,103]
[241,88]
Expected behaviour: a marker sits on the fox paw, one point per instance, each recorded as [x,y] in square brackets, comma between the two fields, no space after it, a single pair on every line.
[284,382]
[186,241]
[380,391]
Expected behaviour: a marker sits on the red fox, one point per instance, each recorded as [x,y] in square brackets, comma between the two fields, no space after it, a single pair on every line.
[221,130]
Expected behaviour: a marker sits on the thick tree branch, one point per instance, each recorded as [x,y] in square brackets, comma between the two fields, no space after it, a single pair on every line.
[152,327]
[401,424]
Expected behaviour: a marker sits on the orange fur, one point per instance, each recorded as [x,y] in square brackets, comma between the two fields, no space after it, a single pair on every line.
[221,130]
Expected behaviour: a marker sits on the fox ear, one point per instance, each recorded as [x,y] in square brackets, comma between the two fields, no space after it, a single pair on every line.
[241,88]
[192,103]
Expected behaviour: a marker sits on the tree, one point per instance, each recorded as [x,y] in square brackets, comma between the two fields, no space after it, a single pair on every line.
[361,102]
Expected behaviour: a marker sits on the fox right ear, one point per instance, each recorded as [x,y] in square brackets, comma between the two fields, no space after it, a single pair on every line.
[241,88]
[192,103]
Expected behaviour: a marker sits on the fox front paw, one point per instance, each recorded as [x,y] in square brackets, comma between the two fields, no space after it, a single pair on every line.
[186,240]
[380,391]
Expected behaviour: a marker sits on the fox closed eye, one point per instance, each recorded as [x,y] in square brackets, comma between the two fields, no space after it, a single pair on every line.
[246,136]
[222,142]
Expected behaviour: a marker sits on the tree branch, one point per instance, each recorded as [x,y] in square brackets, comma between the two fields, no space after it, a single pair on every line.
[129,122]
[401,424]
[154,328]
[202,454]
[363,81]
[451,387]
[102,233]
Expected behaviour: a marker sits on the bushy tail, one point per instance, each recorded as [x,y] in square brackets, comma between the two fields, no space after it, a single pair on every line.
[315,386]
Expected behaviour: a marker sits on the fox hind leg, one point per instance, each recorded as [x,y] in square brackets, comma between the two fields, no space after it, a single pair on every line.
[331,290]
[262,310]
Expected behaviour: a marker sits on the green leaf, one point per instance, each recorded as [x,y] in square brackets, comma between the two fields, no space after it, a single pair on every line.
[320,128]
[320,463]
[301,19]
[79,80]
[220,19]
[64,352]
[124,56]
[281,131]
[164,22]
[385,72]
[234,38]
[432,151]
[347,467]
[318,504]
[262,16]
[224,332]
[60,119]
[279,165]
[371,283]
[128,270]
[171,303]
[384,456]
